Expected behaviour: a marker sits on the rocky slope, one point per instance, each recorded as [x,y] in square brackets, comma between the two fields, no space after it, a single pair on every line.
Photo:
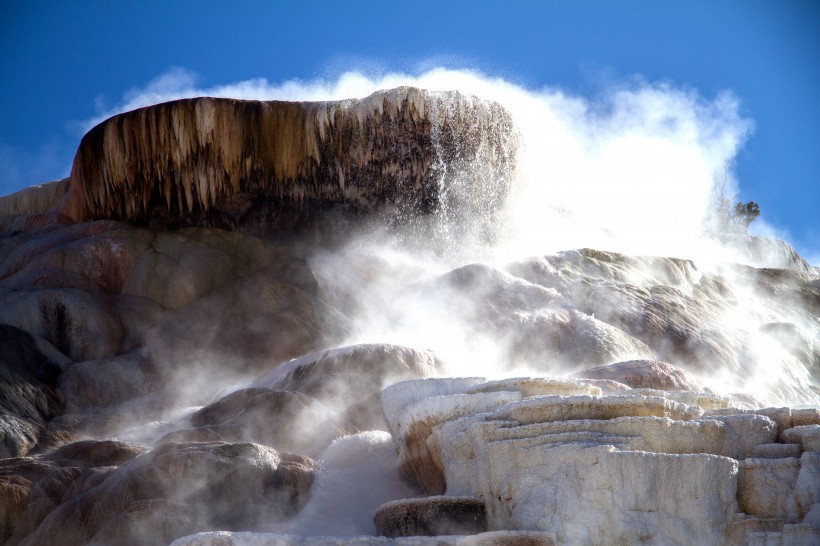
[202,340]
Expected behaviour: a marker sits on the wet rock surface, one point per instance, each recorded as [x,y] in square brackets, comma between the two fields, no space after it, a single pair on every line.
[365,369]
[495,538]
[431,516]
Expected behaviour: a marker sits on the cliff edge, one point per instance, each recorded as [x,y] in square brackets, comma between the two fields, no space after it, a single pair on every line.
[210,161]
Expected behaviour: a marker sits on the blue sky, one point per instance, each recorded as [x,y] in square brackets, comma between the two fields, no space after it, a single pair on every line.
[64,63]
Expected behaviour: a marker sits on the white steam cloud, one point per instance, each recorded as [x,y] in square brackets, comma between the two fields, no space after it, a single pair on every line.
[632,168]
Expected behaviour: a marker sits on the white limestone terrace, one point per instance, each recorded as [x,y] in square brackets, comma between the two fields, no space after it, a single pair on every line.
[653,466]
[556,461]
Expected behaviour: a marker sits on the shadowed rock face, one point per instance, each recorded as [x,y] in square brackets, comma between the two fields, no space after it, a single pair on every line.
[274,418]
[303,405]
[27,397]
[209,161]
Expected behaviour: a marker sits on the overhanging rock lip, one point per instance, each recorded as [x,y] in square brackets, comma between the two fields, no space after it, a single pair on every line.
[191,155]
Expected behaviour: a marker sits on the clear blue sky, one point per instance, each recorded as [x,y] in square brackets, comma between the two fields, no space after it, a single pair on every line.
[63,61]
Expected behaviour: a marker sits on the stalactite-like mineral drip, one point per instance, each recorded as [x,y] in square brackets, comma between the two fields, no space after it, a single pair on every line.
[190,156]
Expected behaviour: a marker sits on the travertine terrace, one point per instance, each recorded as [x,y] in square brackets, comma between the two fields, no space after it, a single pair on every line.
[208,155]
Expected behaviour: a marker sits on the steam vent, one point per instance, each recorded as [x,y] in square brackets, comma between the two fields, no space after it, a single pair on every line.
[211,160]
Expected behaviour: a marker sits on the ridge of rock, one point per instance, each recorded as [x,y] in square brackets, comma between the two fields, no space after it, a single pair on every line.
[207,159]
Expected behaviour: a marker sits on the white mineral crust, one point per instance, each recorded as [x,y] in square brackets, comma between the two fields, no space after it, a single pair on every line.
[641,466]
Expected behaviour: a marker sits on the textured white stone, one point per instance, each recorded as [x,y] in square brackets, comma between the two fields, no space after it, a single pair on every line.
[596,495]
[766,488]
[735,438]
[807,436]
[807,489]
[707,401]
[777,451]
[781,416]
[398,396]
[476,451]
[791,535]
[805,416]
[813,515]
[413,408]
[747,431]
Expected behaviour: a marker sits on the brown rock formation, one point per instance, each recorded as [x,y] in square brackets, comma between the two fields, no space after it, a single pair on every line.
[35,199]
[123,310]
[31,487]
[177,489]
[431,516]
[204,159]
